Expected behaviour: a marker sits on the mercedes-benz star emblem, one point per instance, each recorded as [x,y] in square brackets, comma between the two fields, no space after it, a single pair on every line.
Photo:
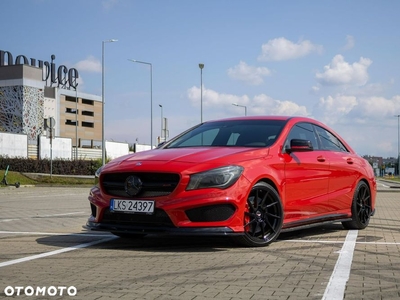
[133,185]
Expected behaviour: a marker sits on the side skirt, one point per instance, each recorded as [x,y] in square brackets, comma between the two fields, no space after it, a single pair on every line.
[312,223]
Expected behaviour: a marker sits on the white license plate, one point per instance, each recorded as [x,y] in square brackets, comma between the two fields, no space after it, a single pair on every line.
[132,206]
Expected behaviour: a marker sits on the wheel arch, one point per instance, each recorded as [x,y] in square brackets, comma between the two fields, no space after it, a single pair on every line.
[271,183]
[372,191]
[276,187]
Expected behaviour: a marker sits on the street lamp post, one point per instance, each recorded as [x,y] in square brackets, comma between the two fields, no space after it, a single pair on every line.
[245,108]
[151,97]
[161,122]
[201,66]
[398,145]
[103,142]
[76,122]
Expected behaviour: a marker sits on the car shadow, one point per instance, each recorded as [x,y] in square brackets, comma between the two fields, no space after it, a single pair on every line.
[175,243]
[148,243]
[310,232]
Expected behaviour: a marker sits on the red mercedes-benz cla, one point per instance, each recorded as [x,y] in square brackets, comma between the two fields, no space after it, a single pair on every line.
[250,178]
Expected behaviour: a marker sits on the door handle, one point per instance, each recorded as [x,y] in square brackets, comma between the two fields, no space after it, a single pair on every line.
[321,158]
[350,161]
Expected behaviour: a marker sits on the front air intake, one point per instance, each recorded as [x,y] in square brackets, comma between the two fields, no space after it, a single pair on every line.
[211,213]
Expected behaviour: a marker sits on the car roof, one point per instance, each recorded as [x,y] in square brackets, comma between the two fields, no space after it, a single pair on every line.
[264,117]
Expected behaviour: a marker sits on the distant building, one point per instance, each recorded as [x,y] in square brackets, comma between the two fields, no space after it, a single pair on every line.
[383,166]
[32,91]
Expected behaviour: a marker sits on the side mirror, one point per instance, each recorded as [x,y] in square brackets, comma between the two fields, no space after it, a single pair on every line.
[298,145]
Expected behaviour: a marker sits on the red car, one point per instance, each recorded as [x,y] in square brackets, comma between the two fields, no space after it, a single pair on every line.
[250,178]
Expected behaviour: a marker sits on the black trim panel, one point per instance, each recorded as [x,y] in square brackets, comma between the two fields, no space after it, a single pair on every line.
[206,231]
[313,222]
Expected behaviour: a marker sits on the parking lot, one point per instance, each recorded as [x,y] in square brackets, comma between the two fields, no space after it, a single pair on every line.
[45,253]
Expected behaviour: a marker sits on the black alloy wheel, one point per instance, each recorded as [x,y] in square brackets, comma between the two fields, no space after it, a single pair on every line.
[263,216]
[361,209]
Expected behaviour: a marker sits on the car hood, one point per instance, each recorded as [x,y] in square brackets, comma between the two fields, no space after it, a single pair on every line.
[185,157]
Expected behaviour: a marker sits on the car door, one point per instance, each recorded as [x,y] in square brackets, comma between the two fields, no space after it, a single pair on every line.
[344,168]
[307,177]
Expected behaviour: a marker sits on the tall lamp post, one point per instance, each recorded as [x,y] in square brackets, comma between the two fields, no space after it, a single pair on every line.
[398,145]
[161,123]
[245,108]
[103,142]
[151,97]
[76,122]
[201,66]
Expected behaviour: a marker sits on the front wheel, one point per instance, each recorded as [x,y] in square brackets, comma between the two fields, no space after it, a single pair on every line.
[361,209]
[263,216]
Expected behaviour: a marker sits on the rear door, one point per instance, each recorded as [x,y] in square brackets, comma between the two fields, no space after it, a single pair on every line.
[344,167]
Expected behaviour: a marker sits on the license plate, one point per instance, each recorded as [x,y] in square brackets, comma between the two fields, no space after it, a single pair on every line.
[132,206]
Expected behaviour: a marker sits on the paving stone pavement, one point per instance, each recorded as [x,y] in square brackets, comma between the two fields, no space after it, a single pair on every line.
[299,265]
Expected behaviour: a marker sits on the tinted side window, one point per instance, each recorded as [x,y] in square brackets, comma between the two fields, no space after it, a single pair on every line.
[329,141]
[303,131]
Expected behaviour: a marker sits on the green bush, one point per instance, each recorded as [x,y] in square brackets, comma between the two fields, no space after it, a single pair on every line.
[59,166]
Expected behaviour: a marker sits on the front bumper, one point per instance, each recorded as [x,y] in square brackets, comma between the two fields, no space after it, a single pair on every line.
[164,230]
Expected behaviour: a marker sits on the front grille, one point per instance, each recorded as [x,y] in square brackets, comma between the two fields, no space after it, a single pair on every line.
[211,213]
[154,184]
[159,218]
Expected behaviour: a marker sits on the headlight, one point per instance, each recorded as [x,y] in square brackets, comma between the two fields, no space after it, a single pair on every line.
[97,175]
[221,178]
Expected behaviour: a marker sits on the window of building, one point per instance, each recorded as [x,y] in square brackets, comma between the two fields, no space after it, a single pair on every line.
[70,122]
[71,99]
[87,124]
[86,101]
[71,110]
[87,113]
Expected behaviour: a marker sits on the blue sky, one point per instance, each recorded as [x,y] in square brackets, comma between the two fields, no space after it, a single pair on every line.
[335,61]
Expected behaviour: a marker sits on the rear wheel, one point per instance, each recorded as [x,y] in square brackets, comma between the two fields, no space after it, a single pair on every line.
[263,216]
[361,209]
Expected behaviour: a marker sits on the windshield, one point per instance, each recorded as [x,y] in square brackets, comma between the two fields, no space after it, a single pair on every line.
[239,133]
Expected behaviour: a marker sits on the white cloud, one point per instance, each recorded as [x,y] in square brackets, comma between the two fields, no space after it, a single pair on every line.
[282,49]
[350,42]
[259,105]
[366,123]
[334,108]
[265,105]
[315,89]
[248,74]
[352,109]
[342,104]
[214,99]
[340,72]
[379,107]
[91,64]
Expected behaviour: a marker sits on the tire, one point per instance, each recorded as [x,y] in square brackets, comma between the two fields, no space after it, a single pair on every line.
[263,216]
[361,209]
